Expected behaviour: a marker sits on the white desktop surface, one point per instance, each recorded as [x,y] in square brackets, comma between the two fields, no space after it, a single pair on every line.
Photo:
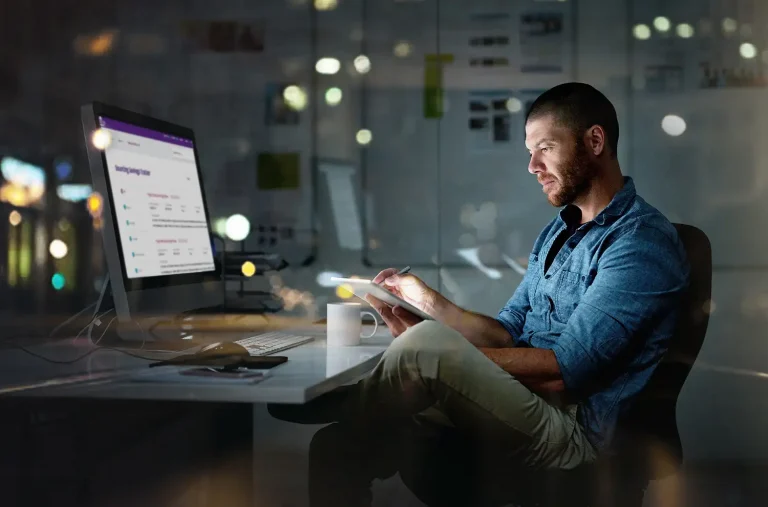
[311,370]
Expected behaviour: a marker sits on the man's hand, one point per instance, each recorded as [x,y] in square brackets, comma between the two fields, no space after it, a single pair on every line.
[408,288]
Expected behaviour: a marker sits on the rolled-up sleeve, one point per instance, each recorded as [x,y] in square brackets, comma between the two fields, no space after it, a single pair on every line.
[639,281]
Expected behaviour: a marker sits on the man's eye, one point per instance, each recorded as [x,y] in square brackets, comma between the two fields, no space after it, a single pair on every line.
[545,150]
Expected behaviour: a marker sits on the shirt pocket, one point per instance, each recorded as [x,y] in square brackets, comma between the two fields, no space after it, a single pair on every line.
[571,287]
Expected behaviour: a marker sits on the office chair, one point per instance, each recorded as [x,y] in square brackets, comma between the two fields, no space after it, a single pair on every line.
[647,441]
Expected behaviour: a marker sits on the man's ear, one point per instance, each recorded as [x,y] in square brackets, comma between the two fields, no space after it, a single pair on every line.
[594,138]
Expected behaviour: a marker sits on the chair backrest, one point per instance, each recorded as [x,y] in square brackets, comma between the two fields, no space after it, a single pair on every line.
[651,423]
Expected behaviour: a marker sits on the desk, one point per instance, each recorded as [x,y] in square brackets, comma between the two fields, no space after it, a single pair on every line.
[165,441]
[311,370]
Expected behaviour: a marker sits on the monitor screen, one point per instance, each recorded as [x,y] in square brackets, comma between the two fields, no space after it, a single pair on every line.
[158,201]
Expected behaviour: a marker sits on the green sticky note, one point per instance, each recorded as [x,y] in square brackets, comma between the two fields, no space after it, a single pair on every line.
[278,171]
[433,84]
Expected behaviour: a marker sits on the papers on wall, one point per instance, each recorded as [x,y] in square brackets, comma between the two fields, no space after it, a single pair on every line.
[490,119]
[542,42]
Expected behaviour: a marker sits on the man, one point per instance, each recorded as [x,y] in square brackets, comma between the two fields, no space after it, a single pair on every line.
[545,381]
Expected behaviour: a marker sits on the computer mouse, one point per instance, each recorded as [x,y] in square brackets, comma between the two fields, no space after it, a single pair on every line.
[223,349]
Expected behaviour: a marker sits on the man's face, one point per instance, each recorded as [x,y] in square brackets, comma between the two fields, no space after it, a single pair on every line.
[559,160]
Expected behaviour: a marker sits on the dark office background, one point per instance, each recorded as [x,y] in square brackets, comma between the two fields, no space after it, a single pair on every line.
[357,135]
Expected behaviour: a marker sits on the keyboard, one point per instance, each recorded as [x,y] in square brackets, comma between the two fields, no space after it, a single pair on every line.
[269,343]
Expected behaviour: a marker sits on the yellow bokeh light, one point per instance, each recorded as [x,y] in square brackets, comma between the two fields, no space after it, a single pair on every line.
[101,44]
[94,204]
[326,5]
[14,218]
[402,49]
[101,139]
[344,291]
[295,97]
[248,269]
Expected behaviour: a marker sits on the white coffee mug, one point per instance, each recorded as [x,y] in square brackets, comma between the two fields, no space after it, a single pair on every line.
[345,324]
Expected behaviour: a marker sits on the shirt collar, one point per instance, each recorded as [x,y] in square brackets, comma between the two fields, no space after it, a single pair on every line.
[617,207]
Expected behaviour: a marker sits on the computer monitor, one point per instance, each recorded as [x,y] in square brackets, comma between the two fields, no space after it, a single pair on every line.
[156,227]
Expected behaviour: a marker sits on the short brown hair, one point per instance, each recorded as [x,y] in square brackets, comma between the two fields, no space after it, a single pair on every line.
[578,106]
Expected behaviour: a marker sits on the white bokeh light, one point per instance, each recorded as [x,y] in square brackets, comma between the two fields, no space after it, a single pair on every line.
[514,105]
[748,50]
[662,24]
[641,32]
[238,227]
[364,137]
[673,125]
[325,278]
[685,31]
[730,25]
[220,226]
[58,249]
[333,96]
[362,64]
[328,66]
[101,139]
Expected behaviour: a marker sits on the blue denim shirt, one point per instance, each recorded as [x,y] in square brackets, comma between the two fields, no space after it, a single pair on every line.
[607,305]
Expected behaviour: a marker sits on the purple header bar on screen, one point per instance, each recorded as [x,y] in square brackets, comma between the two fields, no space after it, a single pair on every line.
[120,126]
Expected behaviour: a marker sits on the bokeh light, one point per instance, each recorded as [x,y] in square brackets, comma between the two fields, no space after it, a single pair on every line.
[58,249]
[101,139]
[748,50]
[333,96]
[220,226]
[14,218]
[514,105]
[328,66]
[326,5]
[344,291]
[248,269]
[673,125]
[237,227]
[729,25]
[362,64]
[364,137]
[662,24]
[58,281]
[94,204]
[641,32]
[402,49]
[685,31]
[325,278]
[295,97]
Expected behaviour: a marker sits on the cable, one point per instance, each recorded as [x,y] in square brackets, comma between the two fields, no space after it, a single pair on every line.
[50,335]
[90,324]
[105,330]
[83,356]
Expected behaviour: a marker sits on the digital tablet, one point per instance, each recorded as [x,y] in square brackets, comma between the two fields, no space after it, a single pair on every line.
[361,288]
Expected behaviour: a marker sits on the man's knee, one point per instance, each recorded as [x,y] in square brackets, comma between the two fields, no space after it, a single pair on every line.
[426,341]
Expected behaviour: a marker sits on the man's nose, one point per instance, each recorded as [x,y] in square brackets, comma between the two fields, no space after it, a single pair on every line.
[535,165]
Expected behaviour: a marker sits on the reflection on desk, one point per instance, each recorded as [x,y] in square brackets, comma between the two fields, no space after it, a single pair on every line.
[311,370]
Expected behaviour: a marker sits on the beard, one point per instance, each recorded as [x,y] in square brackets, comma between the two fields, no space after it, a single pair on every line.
[575,178]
